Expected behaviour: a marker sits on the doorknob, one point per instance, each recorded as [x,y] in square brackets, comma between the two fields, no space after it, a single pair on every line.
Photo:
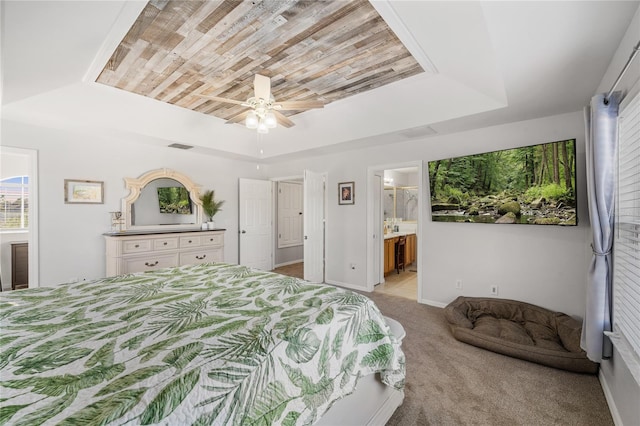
[244,232]
[306,238]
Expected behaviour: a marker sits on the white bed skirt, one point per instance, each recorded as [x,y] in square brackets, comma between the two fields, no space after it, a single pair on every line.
[373,403]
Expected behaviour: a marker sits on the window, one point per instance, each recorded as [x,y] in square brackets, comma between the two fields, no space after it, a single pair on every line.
[626,248]
[14,203]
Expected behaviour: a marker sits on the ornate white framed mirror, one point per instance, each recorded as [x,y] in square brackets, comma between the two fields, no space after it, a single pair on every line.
[162,199]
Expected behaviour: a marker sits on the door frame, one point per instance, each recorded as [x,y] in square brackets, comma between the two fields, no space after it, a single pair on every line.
[377,229]
[324,231]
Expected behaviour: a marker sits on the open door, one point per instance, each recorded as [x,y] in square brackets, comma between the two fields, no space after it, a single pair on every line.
[313,226]
[255,224]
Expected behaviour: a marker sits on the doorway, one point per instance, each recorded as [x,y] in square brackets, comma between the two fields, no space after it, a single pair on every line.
[395,222]
[19,228]
[295,223]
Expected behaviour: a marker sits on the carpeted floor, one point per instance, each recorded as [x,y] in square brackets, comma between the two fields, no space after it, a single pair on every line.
[452,383]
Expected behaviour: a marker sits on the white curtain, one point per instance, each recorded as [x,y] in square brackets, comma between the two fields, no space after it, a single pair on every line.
[601,144]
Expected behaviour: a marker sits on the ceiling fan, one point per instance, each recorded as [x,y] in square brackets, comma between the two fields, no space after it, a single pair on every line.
[264,112]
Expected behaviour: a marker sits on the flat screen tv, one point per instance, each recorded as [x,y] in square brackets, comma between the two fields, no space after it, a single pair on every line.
[528,185]
[174,200]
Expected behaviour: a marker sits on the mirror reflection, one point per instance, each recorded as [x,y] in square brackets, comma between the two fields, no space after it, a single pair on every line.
[401,203]
[163,202]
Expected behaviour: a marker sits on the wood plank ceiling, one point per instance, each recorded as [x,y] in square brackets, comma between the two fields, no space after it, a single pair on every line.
[311,50]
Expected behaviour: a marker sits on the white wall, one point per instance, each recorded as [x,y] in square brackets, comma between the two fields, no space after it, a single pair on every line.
[546,266]
[622,391]
[71,242]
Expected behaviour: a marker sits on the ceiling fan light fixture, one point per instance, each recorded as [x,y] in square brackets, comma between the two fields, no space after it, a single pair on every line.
[270,120]
[252,121]
[262,127]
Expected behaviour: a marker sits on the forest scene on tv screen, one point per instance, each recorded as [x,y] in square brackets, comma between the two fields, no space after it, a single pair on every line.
[174,200]
[528,185]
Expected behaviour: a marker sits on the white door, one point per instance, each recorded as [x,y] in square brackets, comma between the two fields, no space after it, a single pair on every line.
[313,226]
[255,224]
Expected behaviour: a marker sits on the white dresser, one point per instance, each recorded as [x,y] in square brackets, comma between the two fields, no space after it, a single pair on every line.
[146,251]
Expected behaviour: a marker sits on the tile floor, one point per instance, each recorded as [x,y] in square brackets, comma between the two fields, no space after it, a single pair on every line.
[404,284]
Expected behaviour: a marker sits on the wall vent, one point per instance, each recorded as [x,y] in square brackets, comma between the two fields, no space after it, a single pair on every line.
[417,132]
[180,146]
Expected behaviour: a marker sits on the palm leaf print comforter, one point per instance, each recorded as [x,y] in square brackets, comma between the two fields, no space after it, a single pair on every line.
[195,345]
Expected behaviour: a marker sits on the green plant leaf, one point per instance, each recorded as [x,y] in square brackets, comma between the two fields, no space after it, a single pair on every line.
[67,383]
[378,358]
[151,351]
[303,345]
[170,397]
[233,325]
[325,316]
[269,405]
[348,364]
[369,332]
[48,361]
[131,379]
[338,340]
[106,410]
[316,394]
[45,413]
[323,361]
[8,411]
[134,342]
[134,315]
[182,356]
[313,302]
[103,356]
[291,418]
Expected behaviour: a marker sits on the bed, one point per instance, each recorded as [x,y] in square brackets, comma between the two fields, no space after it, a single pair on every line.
[200,344]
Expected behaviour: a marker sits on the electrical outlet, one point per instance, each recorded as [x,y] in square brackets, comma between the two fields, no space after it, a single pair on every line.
[494,290]
[459,284]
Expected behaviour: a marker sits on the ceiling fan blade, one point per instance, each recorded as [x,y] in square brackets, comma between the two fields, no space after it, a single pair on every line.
[283,120]
[298,105]
[229,101]
[262,87]
[238,118]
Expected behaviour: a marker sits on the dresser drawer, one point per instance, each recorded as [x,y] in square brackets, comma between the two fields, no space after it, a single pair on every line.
[149,262]
[190,241]
[136,246]
[165,244]
[213,240]
[203,256]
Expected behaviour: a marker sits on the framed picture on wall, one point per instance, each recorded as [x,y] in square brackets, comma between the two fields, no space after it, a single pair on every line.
[346,194]
[83,192]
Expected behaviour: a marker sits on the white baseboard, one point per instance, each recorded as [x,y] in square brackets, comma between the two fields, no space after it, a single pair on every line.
[617,420]
[347,285]
[433,303]
[292,262]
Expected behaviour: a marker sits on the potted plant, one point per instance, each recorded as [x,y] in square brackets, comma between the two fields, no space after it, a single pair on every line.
[210,206]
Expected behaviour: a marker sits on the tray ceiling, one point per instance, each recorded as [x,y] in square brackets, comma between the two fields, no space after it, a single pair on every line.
[311,50]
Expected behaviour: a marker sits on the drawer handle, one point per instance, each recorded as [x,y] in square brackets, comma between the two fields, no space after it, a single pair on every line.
[150,264]
[210,239]
[137,245]
[200,258]
[189,241]
[165,243]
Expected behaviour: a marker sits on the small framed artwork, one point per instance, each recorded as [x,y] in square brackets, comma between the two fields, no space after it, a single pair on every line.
[83,192]
[346,194]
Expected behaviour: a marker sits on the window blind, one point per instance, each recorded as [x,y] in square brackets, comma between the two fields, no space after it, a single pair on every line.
[626,249]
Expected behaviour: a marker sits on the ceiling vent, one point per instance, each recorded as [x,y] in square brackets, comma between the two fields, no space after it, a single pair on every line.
[417,132]
[180,146]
